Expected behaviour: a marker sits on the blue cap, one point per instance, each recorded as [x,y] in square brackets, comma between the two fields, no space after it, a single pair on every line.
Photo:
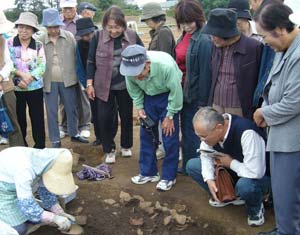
[51,18]
[133,60]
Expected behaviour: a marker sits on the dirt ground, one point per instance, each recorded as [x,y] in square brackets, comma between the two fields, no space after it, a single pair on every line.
[106,219]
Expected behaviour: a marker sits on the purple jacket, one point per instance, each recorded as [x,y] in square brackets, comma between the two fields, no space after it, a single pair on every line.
[104,60]
[246,59]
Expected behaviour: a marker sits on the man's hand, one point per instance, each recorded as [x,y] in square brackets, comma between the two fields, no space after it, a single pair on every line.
[168,127]
[91,92]
[141,113]
[259,118]
[63,223]
[223,160]
[213,189]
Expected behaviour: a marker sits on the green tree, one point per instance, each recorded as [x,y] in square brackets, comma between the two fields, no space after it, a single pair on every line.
[208,5]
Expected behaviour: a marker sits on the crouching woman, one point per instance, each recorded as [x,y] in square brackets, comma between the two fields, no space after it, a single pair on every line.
[25,169]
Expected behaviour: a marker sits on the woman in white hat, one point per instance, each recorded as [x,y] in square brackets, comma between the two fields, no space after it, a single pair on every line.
[29,62]
[6,84]
[48,170]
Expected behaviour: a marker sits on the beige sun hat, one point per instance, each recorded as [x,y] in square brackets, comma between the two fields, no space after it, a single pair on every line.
[5,25]
[295,17]
[28,18]
[59,179]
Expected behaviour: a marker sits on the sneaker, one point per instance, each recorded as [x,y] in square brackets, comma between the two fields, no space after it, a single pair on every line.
[62,134]
[3,140]
[79,139]
[236,202]
[258,219]
[56,144]
[85,134]
[140,179]
[110,158]
[126,152]
[160,153]
[165,185]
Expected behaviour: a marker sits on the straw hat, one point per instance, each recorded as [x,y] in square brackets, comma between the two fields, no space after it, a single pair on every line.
[5,25]
[59,179]
[28,18]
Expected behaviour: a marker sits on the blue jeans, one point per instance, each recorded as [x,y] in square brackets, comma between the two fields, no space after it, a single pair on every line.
[250,190]
[190,141]
[156,108]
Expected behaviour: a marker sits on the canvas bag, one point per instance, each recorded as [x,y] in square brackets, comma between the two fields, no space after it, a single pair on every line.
[5,123]
[224,183]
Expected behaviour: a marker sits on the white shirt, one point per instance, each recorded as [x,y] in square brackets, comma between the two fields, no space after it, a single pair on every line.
[254,151]
[8,64]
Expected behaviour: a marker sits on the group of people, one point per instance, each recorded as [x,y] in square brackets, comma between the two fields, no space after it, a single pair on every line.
[229,85]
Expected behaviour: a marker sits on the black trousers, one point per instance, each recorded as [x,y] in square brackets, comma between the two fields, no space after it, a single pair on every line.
[106,117]
[34,100]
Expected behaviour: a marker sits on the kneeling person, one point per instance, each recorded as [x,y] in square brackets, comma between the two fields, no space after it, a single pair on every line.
[153,81]
[241,145]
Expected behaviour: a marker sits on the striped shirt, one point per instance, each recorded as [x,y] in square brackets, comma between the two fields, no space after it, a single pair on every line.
[225,93]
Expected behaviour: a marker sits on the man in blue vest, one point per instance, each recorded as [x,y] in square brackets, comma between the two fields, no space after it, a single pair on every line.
[239,146]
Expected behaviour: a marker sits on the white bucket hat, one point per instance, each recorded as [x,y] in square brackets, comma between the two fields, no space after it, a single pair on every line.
[68,3]
[59,179]
[5,25]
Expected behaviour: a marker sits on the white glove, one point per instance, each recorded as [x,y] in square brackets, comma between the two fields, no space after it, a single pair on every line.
[62,222]
[68,216]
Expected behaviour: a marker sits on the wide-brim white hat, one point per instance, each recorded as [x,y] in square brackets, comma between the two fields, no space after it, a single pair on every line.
[59,179]
[295,17]
[5,25]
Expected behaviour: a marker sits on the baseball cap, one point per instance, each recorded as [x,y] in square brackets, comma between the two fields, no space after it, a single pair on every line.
[133,60]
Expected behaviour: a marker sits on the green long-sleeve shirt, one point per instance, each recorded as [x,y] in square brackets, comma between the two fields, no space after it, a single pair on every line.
[165,76]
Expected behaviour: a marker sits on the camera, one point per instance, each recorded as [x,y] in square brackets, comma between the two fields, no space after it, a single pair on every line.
[17,81]
[147,123]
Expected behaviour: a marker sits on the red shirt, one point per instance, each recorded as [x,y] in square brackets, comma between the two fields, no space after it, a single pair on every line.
[180,52]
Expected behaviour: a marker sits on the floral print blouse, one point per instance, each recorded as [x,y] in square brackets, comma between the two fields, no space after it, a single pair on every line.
[29,60]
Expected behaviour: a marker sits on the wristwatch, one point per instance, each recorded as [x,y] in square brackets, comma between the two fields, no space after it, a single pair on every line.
[88,85]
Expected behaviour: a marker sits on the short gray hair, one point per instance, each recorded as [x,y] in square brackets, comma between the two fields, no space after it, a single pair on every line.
[209,117]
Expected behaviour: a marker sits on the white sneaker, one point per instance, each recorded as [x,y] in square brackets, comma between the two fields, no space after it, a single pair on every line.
[165,185]
[140,179]
[126,152]
[85,134]
[110,158]
[62,134]
[236,202]
[258,219]
[3,140]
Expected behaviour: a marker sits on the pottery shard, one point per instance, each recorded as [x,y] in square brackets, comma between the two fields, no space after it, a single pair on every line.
[180,208]
[136,222]
[180,219]
[139,232]
[125,197]
[144,205]
[161,208]
[110,201]
[81,219]
[167,220]
[149,210]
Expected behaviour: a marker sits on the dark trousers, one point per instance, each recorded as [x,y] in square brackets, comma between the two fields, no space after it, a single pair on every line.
[156,108]
[189,140]
[34,100]
[105,118]
[285,179]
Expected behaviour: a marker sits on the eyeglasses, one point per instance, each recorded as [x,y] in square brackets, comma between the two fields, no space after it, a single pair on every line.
[203,138]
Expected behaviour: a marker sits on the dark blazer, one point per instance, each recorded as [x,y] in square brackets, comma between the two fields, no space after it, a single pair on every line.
[246,59]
